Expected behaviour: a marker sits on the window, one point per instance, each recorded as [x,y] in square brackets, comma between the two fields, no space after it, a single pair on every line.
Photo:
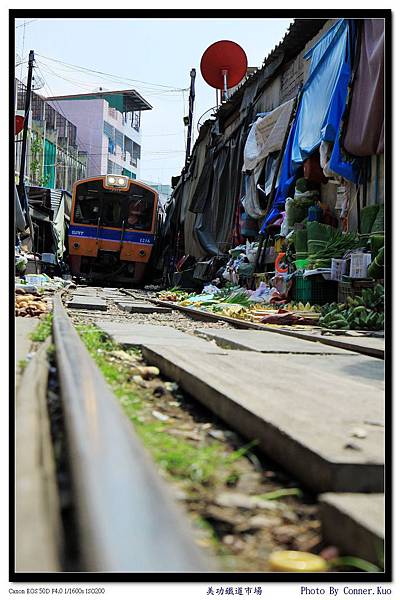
[140,208]
[132,210]
[108,130]
[119,138]
[87,209]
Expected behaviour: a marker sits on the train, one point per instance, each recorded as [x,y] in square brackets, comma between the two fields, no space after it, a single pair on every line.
[114,227]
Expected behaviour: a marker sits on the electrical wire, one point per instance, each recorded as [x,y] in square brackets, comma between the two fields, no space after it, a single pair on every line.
[80,142]
[120,78]
[161,155]
[89,86]
[26,23]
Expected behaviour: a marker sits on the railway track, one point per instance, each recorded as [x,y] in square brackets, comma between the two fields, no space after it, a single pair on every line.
[126,517]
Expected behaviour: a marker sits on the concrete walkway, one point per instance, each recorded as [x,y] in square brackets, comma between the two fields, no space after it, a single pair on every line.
[24,326]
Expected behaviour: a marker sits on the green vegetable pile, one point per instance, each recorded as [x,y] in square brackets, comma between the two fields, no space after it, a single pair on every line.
[337,245]
[364,312]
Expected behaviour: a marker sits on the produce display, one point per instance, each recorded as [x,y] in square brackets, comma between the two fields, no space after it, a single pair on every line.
[363,312]
[376,269]
[173,295]
[235,302]
[336,247]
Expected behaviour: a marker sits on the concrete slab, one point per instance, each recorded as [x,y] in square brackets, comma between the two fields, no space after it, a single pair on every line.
[141,307]
[305,412]
[260,341]
[354,523]
[370,346]
[24,326]
[86,291]
[87,303]
[154,335]
[114,296]
[36,502]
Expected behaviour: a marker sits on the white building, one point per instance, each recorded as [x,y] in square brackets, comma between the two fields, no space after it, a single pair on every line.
[108,129]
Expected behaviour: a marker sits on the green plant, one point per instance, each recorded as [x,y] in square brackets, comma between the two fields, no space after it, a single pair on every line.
[181,459]
[354,561]
[36,158]
[43,330]
[22,364]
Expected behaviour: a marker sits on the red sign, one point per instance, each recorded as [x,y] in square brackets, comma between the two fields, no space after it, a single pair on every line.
[19,123]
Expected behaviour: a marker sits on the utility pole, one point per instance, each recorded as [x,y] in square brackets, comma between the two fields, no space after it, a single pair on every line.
[191,106]
[26,119]
[21,183]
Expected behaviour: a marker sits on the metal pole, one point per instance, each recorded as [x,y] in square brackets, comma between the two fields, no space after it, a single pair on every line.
[191,106]
[21,183]
[25,130]
[225,76]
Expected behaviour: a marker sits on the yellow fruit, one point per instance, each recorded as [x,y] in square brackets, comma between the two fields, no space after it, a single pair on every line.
[297,562]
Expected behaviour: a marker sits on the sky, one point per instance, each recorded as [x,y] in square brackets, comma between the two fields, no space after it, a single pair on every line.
[153,56]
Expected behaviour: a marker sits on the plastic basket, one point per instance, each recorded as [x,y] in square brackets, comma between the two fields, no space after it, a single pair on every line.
[352,288]
[301,263]
[315,290]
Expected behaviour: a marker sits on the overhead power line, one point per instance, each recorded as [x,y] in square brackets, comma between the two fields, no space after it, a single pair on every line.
[26,23]
[88,86]
[119,77]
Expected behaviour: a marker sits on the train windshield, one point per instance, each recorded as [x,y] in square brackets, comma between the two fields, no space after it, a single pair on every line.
[131,209]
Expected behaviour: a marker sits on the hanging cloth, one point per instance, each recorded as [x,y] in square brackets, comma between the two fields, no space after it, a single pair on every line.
[318,117]
[365,128]
[267,135]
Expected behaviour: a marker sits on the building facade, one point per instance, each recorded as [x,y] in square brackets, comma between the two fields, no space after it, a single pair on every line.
[108,129]
[53,159]
[164,191]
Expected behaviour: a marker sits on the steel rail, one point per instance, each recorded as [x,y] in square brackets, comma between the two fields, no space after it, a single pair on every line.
[127,520]
[203,315]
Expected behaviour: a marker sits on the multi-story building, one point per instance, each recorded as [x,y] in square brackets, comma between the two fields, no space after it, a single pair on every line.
[53,159]
[108,128]
[164,190]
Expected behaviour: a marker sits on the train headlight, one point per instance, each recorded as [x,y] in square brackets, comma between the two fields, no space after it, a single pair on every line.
[111,180]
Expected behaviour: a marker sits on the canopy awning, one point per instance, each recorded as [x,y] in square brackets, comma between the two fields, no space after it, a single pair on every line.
[121,100]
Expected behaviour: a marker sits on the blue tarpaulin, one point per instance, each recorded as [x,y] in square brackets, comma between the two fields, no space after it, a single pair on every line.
[320,109]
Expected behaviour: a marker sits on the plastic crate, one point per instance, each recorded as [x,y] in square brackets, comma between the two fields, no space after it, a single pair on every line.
[353,288]
[359,262]
[315,290]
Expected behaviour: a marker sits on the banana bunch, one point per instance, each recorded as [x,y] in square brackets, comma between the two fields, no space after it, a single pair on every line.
[363,312]
[302,307]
